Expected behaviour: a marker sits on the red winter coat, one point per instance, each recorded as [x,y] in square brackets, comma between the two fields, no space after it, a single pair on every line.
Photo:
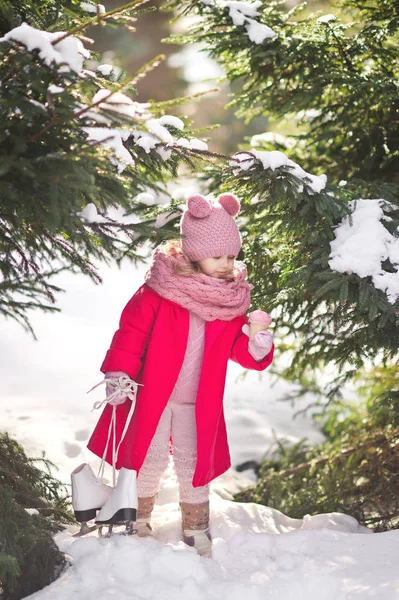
[150,345]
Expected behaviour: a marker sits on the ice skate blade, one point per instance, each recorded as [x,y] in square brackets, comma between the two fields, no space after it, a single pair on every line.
[85,529]
[129,530]
[123,515]
[108,534]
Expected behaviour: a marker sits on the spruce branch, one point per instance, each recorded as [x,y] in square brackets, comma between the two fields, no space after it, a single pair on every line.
[99,18]
[121,86]
[344,55]
[179,101]
[381,441]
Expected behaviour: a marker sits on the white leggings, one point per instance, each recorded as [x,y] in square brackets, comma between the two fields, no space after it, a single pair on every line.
[179,420]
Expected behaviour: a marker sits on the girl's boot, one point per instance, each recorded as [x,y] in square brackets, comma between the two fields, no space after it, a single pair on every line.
[143,522]
[195,521]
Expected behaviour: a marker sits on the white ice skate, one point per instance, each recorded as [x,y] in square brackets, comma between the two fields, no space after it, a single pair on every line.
[121,507]
[117,504]
[88,495]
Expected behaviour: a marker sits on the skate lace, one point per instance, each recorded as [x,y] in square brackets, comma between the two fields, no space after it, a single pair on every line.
[126,386]
[122,385]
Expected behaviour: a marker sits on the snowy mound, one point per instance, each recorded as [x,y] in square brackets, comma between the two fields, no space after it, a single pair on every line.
[258,553]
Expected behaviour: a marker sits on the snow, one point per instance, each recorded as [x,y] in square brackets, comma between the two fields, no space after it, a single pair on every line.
[155,128]
[183,142]
[241,13]
[55,89]
[145,198]
[32,511]
[274,160]
[92,8]
[90,214]
[145,140]
[197,144]
[172,121]
[307,115]
[152,134]
[257,32]
[119,103]
[164,153]
[165,218]
[105,69]
[157,137]
[69,53]
[326,19]
[113,139]
[150,140]
[193,144]
[258,552]
[362,244]
[240,10]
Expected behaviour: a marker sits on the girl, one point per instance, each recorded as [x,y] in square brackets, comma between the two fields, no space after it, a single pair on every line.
[175,337]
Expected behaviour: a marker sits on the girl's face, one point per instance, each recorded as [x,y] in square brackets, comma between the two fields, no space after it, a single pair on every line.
[218,266]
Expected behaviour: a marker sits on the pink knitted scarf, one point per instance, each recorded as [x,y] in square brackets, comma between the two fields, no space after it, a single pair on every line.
[208,297]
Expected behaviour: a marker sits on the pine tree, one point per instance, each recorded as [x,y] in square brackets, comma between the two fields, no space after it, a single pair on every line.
[328,85]
[34,505]
[74,145]
[354,471]
[338,79]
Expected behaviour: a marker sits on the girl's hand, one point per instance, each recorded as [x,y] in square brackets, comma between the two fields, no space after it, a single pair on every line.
[261,345]
[118,387]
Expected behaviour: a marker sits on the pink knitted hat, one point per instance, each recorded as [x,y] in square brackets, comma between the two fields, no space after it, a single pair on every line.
[208,227]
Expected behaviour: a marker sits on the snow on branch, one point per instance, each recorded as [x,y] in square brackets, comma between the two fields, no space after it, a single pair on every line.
[107,107]
[113,139]
[93,8]
[150,134]
[69,53]
[242,13]
[274,160]
[119,103]
[362,244]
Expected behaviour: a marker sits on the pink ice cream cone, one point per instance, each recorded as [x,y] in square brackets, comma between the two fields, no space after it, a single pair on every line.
[258,321]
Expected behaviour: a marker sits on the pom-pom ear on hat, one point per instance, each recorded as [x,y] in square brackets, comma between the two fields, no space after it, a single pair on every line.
[230,203]
[198,206]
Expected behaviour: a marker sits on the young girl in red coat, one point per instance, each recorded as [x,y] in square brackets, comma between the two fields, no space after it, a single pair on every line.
[175,337]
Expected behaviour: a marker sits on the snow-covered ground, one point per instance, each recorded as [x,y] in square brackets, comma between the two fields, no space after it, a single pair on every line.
[258,553]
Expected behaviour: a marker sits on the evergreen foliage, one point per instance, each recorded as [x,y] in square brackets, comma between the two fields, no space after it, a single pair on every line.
[42,14]
[356,471]
[55,159]
[338,79]
[327,83]
[29,558]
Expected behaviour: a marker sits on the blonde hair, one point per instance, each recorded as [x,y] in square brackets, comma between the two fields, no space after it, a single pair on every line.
[174,248]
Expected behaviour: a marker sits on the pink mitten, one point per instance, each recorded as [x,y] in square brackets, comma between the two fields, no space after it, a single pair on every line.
[118,387]
[261,345]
